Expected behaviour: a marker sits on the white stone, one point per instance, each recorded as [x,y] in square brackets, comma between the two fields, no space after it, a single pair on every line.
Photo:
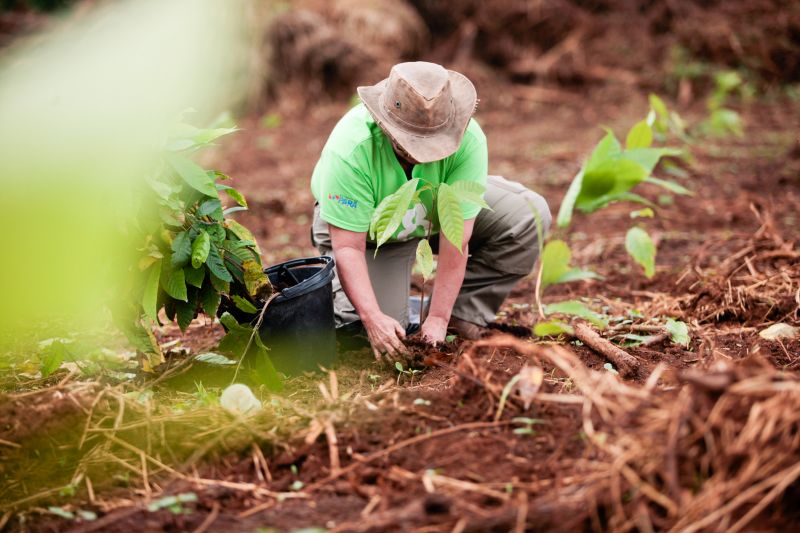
[779,331]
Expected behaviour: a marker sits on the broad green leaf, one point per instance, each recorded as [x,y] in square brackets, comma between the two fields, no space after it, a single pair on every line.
[576,308]
[602,201]
[193,175]
[649,157]
[608,179]
[606,150]
[200,249]
[212,358]
[242,232]
[643,213]
[678,332]
[552,328]
[244,304]
[568,203]
[658,105]
[639,136]
[194,276]
[389,213]
[211,207]
[671,186]
[234,344]
[209,300]
[233,193]
[181,249]
[425,258]
[185,313]
[173,280]
[150,294]
[219,285]
[216,265]
[470,192]
[556,257]
[451,219]
[51,358]
[641,247]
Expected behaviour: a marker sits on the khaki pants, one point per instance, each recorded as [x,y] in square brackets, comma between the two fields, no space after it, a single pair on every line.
[503,249]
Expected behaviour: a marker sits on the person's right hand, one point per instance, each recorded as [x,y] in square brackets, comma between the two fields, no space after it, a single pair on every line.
[385,334]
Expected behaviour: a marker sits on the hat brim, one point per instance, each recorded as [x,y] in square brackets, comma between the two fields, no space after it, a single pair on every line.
[435,146]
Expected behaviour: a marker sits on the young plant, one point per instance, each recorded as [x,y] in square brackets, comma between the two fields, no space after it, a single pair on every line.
[447,202]
[723,121]
[191,254]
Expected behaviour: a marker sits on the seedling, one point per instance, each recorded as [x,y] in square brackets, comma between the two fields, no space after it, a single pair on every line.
[525,425]
[411,372]
[447,200]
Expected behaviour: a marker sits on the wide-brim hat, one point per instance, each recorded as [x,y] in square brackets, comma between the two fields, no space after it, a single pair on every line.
[423,107]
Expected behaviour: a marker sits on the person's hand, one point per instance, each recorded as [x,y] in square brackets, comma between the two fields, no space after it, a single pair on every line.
[385,334]
[434,330]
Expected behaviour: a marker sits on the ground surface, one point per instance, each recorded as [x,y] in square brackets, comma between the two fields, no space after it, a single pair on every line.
[441,451]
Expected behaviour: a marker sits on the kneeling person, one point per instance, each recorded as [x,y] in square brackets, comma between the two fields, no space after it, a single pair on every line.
[418,124]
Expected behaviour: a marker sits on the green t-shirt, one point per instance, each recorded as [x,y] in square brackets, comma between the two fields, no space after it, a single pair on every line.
[358,168]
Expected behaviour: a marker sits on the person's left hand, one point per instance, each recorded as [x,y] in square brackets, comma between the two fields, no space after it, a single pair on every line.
[434,330]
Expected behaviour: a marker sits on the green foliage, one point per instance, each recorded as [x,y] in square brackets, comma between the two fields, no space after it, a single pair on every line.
[556,257]
[389,213]
[641,247]
[723,121]
[678,332]
[577,309]
[448,209]
[552,328]
[425,259]
[190,255]
[242,341]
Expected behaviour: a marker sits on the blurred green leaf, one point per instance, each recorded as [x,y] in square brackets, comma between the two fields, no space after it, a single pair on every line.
[552,328]
[173,280]
[678,332]
[639,136]
[150,295]
[193,175]
[244,305]
[576,308]
[641,247]
[556,257]
[451,219]
[425,258]
[201,247]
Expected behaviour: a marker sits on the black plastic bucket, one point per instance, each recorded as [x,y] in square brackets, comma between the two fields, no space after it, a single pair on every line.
[298,326]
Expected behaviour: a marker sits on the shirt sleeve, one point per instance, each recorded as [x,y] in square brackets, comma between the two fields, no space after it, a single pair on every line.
[471,164]
[345,198]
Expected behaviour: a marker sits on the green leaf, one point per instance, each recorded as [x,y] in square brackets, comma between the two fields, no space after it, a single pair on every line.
[209,299]
[606,150]
[150,294]
[470,192]
[212,207]
[576,308]
[212,358]
[216,265]
[200,249]
[568,203]
[194,276]
[602,201]
[220,285]
[641,247]
[389,213]
[51,358]
[678,332]
[609,179]
[671,186]
[451,219]
[181,249]
[552,328]
[193,175]
[556,257]
[173,281]
[639,136]
[649,157]
[658,105]
[234,344]
[185,313]
[243,233]
[244,304]
[233,193]
[425,258]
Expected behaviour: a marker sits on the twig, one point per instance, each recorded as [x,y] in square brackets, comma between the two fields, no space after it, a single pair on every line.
[255,332]
[212,516]
[333,450]
[625,362]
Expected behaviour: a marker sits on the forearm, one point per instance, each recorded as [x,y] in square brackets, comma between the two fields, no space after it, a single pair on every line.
[449,277]
[351,265]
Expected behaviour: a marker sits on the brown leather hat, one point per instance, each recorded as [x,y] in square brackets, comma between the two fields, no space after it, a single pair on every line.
[423,108]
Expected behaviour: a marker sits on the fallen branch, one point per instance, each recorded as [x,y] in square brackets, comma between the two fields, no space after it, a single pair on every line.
[625,362]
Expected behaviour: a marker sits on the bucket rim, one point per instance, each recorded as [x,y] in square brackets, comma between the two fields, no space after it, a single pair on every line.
[321,278]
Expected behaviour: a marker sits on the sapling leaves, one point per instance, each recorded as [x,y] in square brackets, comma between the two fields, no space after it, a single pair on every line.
[210,299]
[181,249]
[470,192]
[671,186]
[150,294]
[425,259]
[639,136]
[678,332]
[244,305]
[578,309]
[216,265]
[552,328]
[641,247]
[173,280]
[556,257]
[568,204]
[235,343]
[200,249]
[389,213]
[451,219]
[185,313]
[194,276]
[193,175]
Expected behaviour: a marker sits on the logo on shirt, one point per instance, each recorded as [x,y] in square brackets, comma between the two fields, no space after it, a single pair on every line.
[414,218]
[343,200]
